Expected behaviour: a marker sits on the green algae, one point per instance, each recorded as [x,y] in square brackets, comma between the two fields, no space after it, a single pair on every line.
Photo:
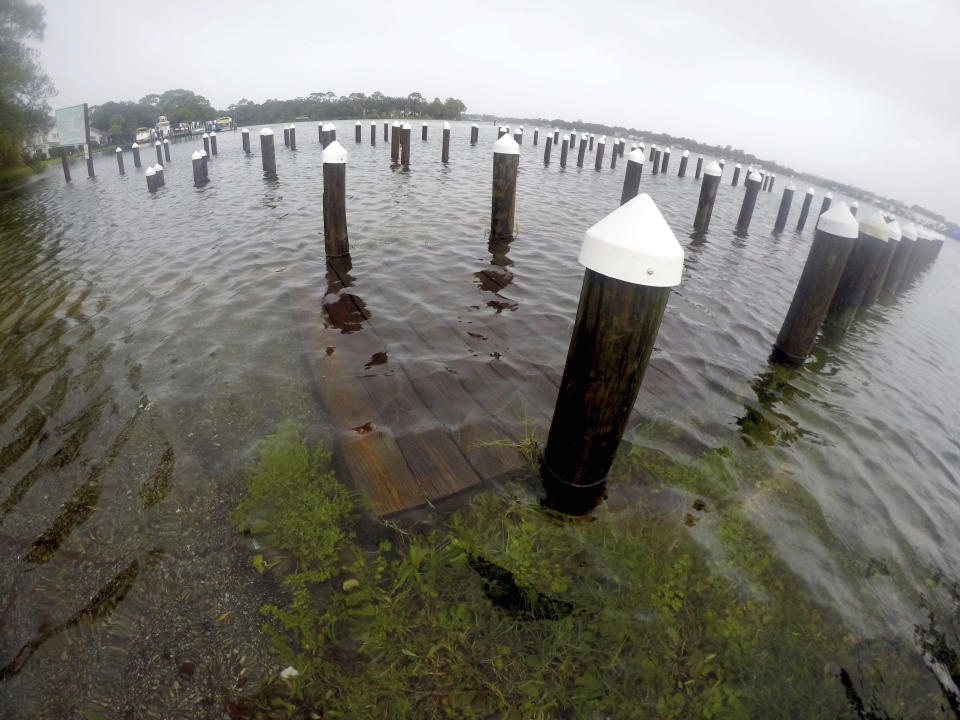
[506,609]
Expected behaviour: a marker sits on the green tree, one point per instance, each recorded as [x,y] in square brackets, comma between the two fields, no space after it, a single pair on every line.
[24,86]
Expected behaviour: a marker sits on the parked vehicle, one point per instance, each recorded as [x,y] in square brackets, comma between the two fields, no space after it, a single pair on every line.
[145,135]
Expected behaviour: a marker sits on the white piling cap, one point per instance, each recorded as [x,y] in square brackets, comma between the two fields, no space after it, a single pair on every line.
[839,221]
[406,126]
[536,130]
[158,168]
[876,227]
[474,125]
[424,124]
[334,153]
[266,131]
[636,156]
[166,142]
[592,135]
[583,136]
[157,143]
[640,145]
[909,231]
[556,130]
[855,204]
[206,135]
[120,150]
[150,172]
[196,155]
[396,123]
[246,130]
[214,133]
[791,187]
[895,232]
[749,169]
[134,146]
[358,122]
[668,151]
[446,125]
[506,146]
[755,176]
[686,153]
[501,129]
[619,139]
[654,147]
[203,153]
[712,169]
[633,147]
[829,195]
[634,244]
[811,191]
[329,126]
[320,125]
[373,123]
[773,175]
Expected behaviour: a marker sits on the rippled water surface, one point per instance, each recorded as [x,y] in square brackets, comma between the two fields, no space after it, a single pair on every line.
[147,343]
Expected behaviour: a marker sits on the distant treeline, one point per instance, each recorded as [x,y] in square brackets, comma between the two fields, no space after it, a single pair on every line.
[327,106]
[728,152]
[120,119]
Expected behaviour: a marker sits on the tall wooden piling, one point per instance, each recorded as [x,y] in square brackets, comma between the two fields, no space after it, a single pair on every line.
[547,146]
[197,160]
[805,209]
[536,136]
[203,164]
[119,155]
[386,137]
[358,132]
[166,150]
[135,149]
[573,140]
[395,132]
[708,195]
[751,191]
[518,136]
[898,264]
[582,151]
[653,152]
[159,151]
[66,164]
[293,138]
[631,260]
[88,156]
[405,131]
[914,258]
[598,159]
[773,179]
[245,140]
[158,175]
[765,178]
[335,239]
[785,202]
[563,153]
[267,154]
[206,144]
[736,175]
[423,131]
[445,151]
[666,160]
[862,263]
[506,160]
[474,134]
[875,285]
[151,179]
[631,178]
[320,133]
[827,201]
[615,150]
[656,160]
[684,159]
[556,136]
[699,170]
[591,142]
[286,136]
[373,133]
[834,238]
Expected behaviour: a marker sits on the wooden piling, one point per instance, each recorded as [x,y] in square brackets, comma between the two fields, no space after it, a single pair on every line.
[206,144]
[119,154]
[805,209]
[506,160]
[684,159]
[501,131]
[151,179]
[358,132]
[203,164]
[827,201]
[335,238]
[66,164]
[159,151]
[631,178]
[736,175]
[547,146]
[88,156]
[573,140]
[653,152]
[898,264]
[582,151]
[445,152]
[373,133]
[423,131]
[872,293]
[752,190]
[613,155]
[158,175]
[556,136]
[405,131]
[536,136]
[395,132]
[563,153]
[591,142]
[136,155]
[834,238]
[656,160]
[862,263]
[773,179]
[474,134]
[286,136]
[699,170]
[518,137]
[166,150]
[293,138]
[914,260]
[765,178]
[598,159]
[708,195]
[267,154]
[245,140]
[197,160]
[785,202]
[666,160]
[632,260]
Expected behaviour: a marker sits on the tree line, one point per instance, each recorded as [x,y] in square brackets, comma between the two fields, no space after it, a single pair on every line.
[329,106]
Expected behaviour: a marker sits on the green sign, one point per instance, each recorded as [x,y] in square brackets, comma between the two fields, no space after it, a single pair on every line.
[72,125]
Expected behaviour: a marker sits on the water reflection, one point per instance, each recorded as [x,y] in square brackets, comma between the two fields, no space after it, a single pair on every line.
[765,421]
[497,277]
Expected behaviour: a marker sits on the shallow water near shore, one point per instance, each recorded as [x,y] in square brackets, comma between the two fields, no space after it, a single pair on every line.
[147,343]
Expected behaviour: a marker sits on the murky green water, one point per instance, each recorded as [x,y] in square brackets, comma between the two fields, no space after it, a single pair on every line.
[147,344]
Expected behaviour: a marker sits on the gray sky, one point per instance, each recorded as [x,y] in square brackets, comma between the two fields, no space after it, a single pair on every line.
[861,91]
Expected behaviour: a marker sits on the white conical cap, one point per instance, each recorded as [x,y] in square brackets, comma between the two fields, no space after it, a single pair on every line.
[266,131]
[634,244]
[245,130]
[373,123]
[446,125]
[329,126]
[636,156]
[791,187]
[506,146]
[206,135]
[166,142]
[749,170]
[406,126]
[358,122]
[334,153]
[668,151]
[755,176]
[811,191]
[119,150]
[203,153]
[855,204]
[424,124]
[829,195]
[157,144]
[134,146]
[641,146]
[839,221]
[196,155]
[150,172]
[214,133]
[396,123]
[712,169]
[602,140]
[876,227]
[158,168]
[909,232]
[686,153]
[895,232]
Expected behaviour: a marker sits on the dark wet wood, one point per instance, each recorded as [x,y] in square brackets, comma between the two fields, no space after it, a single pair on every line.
[293,141]
[770,184]
[357,132]
[563,153]
[556,137]
[859,269]
[267,156]
[474,135]
[581,153]
[385,131]
[159,153]
[683,166]
[405,146]
[708,195]
[656,162]
[818,283]
[120,163]
[665,163]
[335,210]
[206,144]
[804,211]
[245,138]
[751,190]
[898,266]
[504,195]
[785,202]
[286,136]
[696,175]
[548,146]
[536,137]
[825,205]
[395,132]
[613,336]
[875,285]
[736,177]
[631,181]
[423,132]
[598,160]
[613,156]
[166,149]
[136,157]
[373,134]
[445,151]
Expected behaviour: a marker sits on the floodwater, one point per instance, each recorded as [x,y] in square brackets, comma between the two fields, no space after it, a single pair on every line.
[147,343]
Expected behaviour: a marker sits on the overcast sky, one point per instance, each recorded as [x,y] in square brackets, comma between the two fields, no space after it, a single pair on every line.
[861,91]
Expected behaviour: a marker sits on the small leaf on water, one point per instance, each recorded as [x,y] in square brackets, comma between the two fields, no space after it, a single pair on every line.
[223,617]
